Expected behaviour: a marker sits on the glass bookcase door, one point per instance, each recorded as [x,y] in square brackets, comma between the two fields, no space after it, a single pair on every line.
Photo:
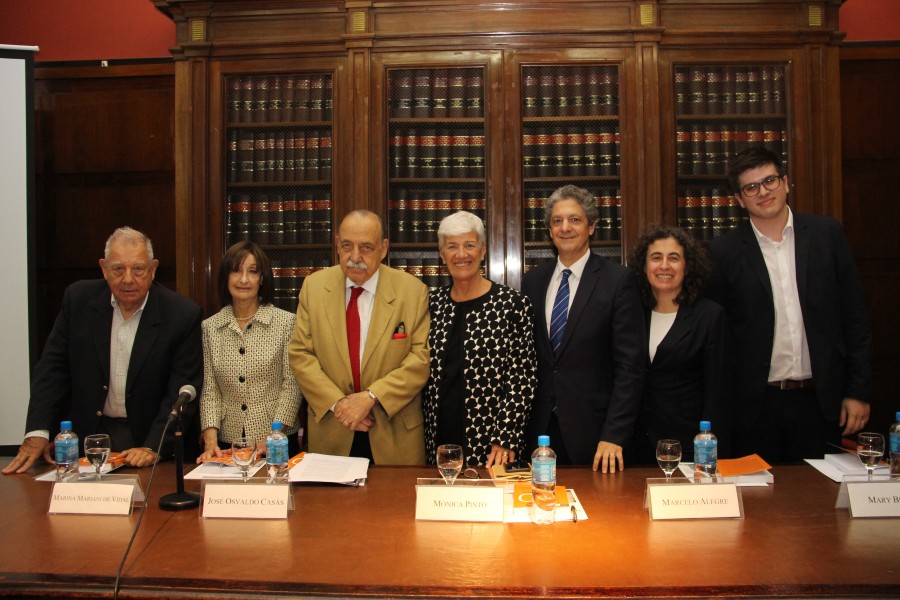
[436,160]
[570,135]
[278,172]
[720,109]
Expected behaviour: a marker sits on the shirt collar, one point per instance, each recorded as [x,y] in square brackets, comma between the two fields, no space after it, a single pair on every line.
[576,267]
[115,304]
[370,285]
[788,227]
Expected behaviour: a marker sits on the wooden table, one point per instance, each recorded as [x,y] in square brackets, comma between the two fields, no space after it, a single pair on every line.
[365,542]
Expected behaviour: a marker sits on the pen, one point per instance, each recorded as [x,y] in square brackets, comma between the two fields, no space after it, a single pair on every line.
[572,506]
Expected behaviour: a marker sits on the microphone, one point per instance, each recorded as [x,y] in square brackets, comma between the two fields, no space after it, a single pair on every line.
[186,395]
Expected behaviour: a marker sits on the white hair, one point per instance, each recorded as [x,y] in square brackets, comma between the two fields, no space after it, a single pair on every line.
[460,223]
[133,236]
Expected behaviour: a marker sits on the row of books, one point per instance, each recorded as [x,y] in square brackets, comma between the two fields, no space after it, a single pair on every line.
[609,224]
[430,270]
[273,156]
[738,89]
[704,149]
[414,215]
[708,212]
[436,93]
[570,91]
[570,151]
[436,153]
[279,98]
[280,218]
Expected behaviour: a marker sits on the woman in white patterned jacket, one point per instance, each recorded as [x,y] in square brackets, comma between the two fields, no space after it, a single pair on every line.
[482,380]
[247,381]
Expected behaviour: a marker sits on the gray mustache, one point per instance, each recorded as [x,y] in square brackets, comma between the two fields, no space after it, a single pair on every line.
[356,265]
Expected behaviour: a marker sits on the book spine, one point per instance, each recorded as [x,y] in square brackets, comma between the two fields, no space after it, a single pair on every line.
[698,91]
[327,97]
[291,220]
[239,218]
[460,145]
[563,94]
[259,157]
[325,155]
[247,104]
[607,88]
[456,94]
[234,100]
[475,94]
[305,219]
[289,99]
[767,91]
[421,94]
[261,100]
[233,163]
[543,154]
[476,153]
[591,152]
[280,155]
[779,94]
[311,156]
[682,92]
[529,155]
[398,216]
[397,154]
[577,103]
[547,95]
[684,160]
[713,86]
[698,150]
[443,161]
[299,144]
[316,97]
[411,153]
[439,93]
[259,219]
[558,158]
[276,220]
[276,99]
[574,143]
[606,151]
[741,92]
[321,219]
[726,97]
[530,106]
[428,153]
[301,100]
[269,174]
[754,99]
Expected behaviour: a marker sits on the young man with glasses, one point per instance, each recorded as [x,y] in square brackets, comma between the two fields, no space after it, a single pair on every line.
[799,328]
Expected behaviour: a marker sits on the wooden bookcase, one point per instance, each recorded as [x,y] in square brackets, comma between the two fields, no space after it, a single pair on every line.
[441,105]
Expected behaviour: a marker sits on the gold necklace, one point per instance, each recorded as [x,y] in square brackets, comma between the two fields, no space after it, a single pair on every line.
[237,318]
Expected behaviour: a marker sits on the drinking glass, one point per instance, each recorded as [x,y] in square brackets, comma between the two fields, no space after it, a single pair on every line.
[96,449]
[870,449]
[243,454]
[668,455]
[449,462]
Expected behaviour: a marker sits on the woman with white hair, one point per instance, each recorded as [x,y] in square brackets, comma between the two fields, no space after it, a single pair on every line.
[483,362]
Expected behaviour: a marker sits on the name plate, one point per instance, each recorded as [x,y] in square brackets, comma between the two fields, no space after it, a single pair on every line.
[91,498]
[458,502]
[694,501]
[874,498]
[245,501]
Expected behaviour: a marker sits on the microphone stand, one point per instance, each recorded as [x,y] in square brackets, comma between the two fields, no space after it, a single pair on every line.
[179,500]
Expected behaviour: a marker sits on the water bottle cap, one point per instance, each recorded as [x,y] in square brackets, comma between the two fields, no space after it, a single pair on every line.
[276,425]
[543,440]
[68,425]
[705,426]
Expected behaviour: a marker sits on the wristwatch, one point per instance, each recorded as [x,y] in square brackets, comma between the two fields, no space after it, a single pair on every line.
[372,396]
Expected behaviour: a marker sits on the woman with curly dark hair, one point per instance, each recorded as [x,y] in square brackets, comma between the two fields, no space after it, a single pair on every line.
[685,374]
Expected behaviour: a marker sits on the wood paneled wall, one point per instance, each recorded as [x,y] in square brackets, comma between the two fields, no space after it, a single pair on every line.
[870,123]
[105,158]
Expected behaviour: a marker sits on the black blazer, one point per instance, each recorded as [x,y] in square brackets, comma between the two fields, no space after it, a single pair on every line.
[72,377]
[833,306]
[686,380]
[596,381]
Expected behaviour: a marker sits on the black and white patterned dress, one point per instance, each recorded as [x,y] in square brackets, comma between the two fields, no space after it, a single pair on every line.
[498,366]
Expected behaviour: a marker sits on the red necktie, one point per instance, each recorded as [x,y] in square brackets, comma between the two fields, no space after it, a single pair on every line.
[353,334]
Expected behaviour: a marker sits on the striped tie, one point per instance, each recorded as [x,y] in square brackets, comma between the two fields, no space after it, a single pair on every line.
[560,311]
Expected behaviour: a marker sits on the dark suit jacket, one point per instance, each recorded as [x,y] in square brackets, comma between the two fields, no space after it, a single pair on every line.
[72,377]
[833,306]
[596,380]
[686,380]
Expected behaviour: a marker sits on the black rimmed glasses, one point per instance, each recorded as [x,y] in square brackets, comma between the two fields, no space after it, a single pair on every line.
[770,183]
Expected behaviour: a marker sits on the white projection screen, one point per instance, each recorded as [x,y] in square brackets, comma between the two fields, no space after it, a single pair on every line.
[16,237]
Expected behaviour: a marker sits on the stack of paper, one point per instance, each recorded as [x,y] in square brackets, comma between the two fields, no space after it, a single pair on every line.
[836,466]
[746,471]
[324,468]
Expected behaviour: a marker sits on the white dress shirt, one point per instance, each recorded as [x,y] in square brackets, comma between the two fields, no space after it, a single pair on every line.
[577,269]
[790,351]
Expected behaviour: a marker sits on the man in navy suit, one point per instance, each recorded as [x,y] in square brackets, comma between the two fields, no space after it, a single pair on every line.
[119,351]
[590,370]
[799,328]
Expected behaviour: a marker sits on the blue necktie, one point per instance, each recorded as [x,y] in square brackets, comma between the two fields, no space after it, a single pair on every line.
[560,311]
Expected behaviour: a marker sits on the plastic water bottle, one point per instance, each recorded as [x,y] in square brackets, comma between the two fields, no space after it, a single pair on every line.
[65,446]
[706,452]
[895,445]
[543,483]
[277,455]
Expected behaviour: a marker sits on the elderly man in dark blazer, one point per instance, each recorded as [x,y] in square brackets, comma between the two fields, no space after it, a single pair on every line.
[118,353]
[590,340]
[797,317]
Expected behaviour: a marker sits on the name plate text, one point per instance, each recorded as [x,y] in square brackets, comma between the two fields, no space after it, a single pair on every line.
[459,503]
[694,501]
[874,498]
[245,501]
[91,498]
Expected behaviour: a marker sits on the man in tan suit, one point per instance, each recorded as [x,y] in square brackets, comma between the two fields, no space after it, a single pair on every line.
[379,416]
